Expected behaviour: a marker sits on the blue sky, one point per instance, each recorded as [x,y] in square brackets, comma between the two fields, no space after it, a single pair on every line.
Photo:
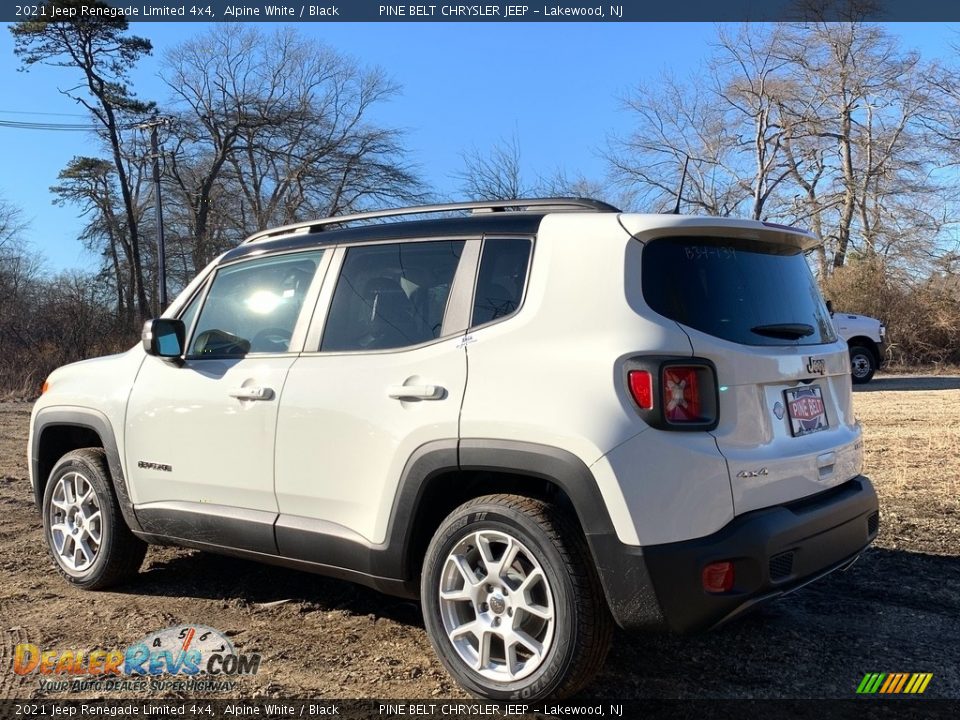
[556,87]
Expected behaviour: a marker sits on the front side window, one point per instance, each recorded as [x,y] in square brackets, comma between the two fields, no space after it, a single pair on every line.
[189,314]
[252,307]
[391,296]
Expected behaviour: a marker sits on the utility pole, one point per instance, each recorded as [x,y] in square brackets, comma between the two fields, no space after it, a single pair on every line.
[153,126]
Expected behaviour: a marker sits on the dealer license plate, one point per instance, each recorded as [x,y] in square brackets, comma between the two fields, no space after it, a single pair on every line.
[806,410]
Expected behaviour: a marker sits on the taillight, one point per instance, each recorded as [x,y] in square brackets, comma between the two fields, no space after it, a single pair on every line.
[641,387]
[682,401]
[674,393]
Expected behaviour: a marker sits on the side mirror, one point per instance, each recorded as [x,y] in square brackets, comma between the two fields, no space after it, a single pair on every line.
[830,306]
[164,337]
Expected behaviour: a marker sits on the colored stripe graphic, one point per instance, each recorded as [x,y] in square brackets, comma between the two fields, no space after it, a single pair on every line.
[894,683]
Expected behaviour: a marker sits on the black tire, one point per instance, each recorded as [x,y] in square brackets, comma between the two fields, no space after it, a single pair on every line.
[581,622]
[863,364]
[120,553]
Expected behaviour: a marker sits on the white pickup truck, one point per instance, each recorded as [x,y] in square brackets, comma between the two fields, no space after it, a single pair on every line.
[866,337]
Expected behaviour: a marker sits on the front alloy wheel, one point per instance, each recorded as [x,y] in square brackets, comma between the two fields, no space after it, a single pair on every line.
[76,523]
[89,541]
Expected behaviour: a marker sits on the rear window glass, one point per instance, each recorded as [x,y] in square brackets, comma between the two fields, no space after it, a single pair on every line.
[746,292]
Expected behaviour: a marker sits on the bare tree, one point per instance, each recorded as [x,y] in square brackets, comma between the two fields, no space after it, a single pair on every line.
[819,123]
[496,174]
[272,128]
[675,121]
[858,102]
[499,175]
[89,183]
[722,123]
[100,48]
[748,81]
[11,226]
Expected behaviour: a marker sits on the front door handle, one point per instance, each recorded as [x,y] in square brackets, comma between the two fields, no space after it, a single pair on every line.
[416,392]
[252,393]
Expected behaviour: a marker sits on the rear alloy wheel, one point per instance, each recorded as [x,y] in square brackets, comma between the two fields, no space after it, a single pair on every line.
[90,543]
[862,364]
[511,600]
[497,606]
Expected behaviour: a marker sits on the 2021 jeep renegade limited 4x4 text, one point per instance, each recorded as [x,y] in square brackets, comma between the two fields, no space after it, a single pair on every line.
[540,418]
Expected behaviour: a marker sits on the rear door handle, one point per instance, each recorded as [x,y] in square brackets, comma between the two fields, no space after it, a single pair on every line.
[416,392]
[252,393]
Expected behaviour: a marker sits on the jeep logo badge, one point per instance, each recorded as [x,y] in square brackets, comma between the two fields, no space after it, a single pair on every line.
[816,366]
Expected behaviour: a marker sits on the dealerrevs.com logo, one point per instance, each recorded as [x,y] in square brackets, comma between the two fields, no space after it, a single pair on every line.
[183,657]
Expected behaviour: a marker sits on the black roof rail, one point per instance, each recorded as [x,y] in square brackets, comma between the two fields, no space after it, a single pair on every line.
[559,204]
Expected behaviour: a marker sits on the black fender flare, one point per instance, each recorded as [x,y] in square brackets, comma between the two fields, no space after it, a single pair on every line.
[544,462]
[622,570]
[99,423]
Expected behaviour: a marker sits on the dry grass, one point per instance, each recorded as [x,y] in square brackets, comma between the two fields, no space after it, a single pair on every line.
[912,454]
[912,439]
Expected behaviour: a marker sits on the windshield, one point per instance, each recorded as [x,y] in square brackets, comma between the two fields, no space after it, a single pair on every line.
[747,292]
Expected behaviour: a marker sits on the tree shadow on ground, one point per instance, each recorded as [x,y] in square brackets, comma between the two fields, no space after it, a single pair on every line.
[907,383]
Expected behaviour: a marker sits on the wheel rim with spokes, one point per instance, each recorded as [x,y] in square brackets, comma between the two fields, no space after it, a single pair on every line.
[497,606]
[861,365]
[76,525]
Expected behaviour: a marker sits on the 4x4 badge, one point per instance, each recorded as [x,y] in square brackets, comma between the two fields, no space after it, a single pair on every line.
[816,365]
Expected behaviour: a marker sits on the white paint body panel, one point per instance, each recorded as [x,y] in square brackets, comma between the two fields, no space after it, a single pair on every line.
[553,375]
[342,441]
[102,384]
[753,439]
[220,447]
[674,486]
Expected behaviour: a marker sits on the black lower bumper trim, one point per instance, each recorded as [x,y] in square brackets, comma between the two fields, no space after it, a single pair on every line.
[774,551]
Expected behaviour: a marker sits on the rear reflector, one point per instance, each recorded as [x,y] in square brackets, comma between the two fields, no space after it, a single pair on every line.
[641,387]
[718,577]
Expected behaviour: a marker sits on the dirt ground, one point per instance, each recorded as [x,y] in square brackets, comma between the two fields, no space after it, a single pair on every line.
[896,610]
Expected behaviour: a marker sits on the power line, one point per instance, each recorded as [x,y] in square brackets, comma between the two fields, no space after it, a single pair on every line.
[34,112]
[62,127]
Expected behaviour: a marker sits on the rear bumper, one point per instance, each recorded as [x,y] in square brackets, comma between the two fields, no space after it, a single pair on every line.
[774,551]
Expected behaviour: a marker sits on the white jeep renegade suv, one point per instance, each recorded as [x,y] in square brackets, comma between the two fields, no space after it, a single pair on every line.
[541,418]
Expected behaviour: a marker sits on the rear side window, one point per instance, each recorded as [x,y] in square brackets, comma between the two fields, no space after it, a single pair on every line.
[391,296]
[501,279]
[747,292]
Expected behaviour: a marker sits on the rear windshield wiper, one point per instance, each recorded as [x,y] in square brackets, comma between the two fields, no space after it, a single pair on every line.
[787,331]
